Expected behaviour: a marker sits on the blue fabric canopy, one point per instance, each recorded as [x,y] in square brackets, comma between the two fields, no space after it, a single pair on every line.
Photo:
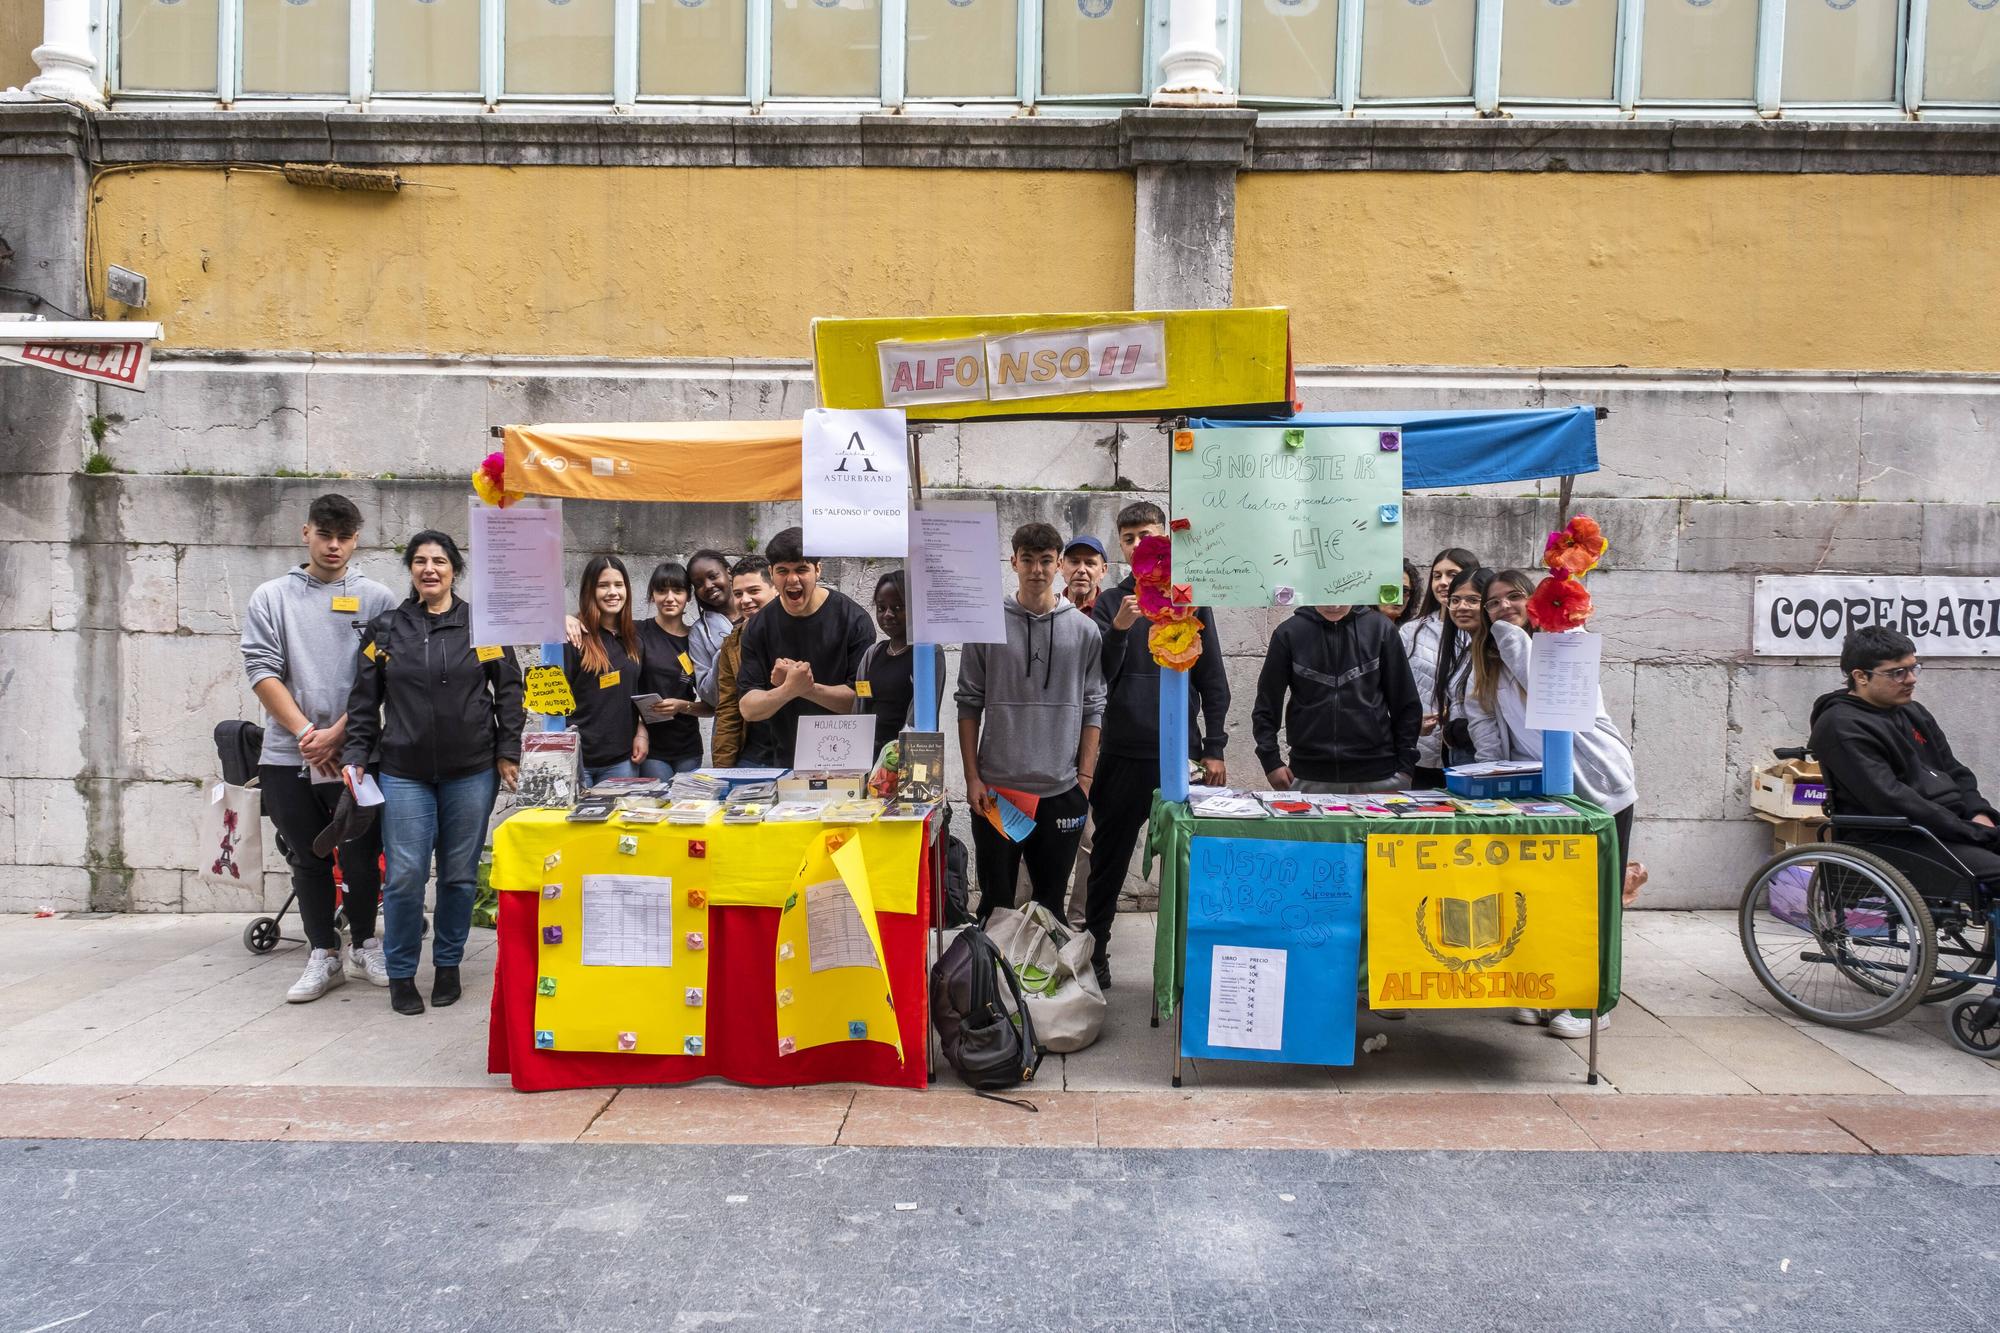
[1470,448]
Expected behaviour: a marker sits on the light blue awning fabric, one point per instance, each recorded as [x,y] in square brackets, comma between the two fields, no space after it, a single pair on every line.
[1442,449]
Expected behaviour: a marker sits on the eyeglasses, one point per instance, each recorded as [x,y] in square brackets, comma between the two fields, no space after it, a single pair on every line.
[1901,675]
[1464,603]
[1506,599]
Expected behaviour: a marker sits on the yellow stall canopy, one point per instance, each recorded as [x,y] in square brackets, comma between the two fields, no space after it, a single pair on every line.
[1103,364]
[711,461]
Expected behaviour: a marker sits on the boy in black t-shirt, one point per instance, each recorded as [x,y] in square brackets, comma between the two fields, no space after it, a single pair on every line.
[799,656]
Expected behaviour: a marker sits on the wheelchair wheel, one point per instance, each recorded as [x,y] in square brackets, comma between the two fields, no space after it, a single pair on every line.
[1970,1031]
[1838,936]
[1965,944]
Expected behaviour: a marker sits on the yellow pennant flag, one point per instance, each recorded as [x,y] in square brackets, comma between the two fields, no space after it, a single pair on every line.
[831,979]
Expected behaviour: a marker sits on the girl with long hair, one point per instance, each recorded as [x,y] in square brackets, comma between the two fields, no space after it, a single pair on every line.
[668,669]
[603,671]
[1423,637]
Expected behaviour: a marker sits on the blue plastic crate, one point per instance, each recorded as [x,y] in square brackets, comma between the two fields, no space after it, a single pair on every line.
[1493,787]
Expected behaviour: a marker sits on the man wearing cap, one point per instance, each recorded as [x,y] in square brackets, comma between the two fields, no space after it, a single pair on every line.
[1083,567]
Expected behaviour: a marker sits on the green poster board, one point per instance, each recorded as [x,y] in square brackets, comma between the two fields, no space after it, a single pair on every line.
[1284,516]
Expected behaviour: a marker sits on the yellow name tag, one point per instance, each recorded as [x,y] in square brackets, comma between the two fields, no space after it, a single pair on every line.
[368,650]
[863,690]
[486,654]
[607,680]
[347,603]
[687,664]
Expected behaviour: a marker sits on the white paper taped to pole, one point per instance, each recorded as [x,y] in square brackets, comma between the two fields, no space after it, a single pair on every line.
[1563,680]
[954,573]
[516,583]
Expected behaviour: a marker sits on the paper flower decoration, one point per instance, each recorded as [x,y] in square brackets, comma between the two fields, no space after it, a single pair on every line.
[1175,639]
[489,481]
[1577,548]
[1559,603]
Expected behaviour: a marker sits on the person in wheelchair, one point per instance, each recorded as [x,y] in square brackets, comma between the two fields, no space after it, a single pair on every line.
[1884,754]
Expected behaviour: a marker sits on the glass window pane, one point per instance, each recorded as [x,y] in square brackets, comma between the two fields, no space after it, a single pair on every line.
[1699,51]
[426,46]
[165,45]
[295,46]
[691,48]
[557,47]
[1962,52]
[963,48]
[826,48]
[1416,48]
[1558,48]
[1093,47]
[1288,47]
[1840,51]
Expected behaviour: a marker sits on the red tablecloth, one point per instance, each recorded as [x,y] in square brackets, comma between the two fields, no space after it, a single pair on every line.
[742,1011]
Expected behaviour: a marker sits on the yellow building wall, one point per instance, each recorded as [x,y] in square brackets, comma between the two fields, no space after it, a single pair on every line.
[1514,269]
[610,261]
[20,33]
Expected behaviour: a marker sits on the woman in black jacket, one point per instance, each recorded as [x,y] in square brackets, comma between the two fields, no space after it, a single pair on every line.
[444,714]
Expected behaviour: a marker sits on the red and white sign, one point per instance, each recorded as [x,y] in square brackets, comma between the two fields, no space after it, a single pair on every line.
[102,351]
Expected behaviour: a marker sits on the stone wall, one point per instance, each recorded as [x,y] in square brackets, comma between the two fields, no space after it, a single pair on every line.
[121,590]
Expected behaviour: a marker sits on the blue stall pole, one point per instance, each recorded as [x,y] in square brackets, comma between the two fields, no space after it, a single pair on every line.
[1558,763]
[1173,734]
[928,659]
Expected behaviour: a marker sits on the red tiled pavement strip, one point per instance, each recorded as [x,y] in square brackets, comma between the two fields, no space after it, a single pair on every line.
[951,1118]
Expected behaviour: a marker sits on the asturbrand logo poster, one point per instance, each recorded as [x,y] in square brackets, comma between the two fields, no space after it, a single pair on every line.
[855,482]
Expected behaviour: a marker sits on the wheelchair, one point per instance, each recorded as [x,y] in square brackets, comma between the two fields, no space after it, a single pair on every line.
[1877,917]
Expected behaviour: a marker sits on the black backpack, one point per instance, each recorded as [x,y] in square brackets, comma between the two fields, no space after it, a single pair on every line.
[987,1045]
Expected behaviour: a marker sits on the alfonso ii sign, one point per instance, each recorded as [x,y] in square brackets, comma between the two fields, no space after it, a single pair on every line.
[1808,615]
[1105,358]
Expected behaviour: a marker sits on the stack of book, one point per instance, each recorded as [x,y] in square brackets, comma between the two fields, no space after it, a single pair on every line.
[692,810]
[698,786]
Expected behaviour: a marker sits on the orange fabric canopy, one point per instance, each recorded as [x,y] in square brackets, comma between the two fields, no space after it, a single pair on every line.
[712,461]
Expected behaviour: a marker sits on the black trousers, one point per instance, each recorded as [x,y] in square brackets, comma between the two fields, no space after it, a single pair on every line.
[1121,800]
[300,808]
[1049,852]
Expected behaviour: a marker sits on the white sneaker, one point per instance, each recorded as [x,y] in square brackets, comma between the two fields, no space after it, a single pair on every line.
[368,963]
[1569,1027]
[1531,1018]
[322,974]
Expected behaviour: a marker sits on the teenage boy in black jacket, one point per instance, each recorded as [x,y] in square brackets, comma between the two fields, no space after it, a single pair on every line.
[1128,764]
[1353,717]
[1884,754]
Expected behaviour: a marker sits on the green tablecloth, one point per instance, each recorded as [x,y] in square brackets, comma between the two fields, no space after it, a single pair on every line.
[1173,828]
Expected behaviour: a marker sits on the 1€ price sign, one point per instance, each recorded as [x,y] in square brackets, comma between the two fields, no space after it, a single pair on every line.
[548,692]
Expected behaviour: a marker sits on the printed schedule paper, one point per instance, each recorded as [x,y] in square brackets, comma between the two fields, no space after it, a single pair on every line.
[835,935]
[1246,998]
[1563,680]
[628,921]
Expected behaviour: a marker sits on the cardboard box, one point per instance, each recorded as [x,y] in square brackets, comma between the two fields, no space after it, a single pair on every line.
[1789,789]
[1789,833]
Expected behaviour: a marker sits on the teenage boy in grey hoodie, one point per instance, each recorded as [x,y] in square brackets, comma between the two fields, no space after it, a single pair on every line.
[1028,717]
[301,641]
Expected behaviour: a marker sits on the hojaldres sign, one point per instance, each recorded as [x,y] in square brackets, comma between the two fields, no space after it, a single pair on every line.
[1808,615]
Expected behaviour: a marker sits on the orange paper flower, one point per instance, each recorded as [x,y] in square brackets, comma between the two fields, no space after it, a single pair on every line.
[1559,603]
[1577,547]
[1175,644]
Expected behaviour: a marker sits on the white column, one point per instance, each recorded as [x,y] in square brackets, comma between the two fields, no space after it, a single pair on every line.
[1191,67]
[67,56]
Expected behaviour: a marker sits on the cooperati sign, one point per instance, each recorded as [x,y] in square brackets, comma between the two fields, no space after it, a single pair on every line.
[113,352]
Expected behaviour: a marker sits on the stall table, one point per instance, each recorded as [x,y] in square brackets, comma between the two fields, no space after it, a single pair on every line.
[746,871]
[1174,827]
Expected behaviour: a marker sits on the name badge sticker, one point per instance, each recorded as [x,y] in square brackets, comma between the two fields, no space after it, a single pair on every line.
[607,680]
[863,690]
[347,603]
[687,664]
[486,654]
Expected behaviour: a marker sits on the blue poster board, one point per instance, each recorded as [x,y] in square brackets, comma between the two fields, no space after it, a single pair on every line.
[1273,945]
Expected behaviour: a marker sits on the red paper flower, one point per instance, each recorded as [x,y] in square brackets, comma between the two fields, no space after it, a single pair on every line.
[1560,603]
[1577,547]
[1152,559]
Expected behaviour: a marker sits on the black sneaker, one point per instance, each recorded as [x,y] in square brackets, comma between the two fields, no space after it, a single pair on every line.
[444,987]
[1102,968]
[403,997]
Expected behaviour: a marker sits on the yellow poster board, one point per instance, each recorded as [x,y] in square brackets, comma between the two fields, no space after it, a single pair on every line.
[1213,359]
[546,691]
[831,982]
[1470,921]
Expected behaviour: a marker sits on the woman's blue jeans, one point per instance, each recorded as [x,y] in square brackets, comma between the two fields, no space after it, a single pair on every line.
[425,823]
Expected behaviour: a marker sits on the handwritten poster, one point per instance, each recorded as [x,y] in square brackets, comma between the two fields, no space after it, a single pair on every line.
[1273,943]
[834,742]
[1563,681]
[516,583]
[855,482]
[1282,516]
[1482,921]
[954,573]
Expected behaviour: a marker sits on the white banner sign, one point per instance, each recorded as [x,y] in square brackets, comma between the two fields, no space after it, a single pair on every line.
[516,579]
[1807,615]
[125,364]
[1563,681]
[954,576]
[856,482]
[1100,358]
